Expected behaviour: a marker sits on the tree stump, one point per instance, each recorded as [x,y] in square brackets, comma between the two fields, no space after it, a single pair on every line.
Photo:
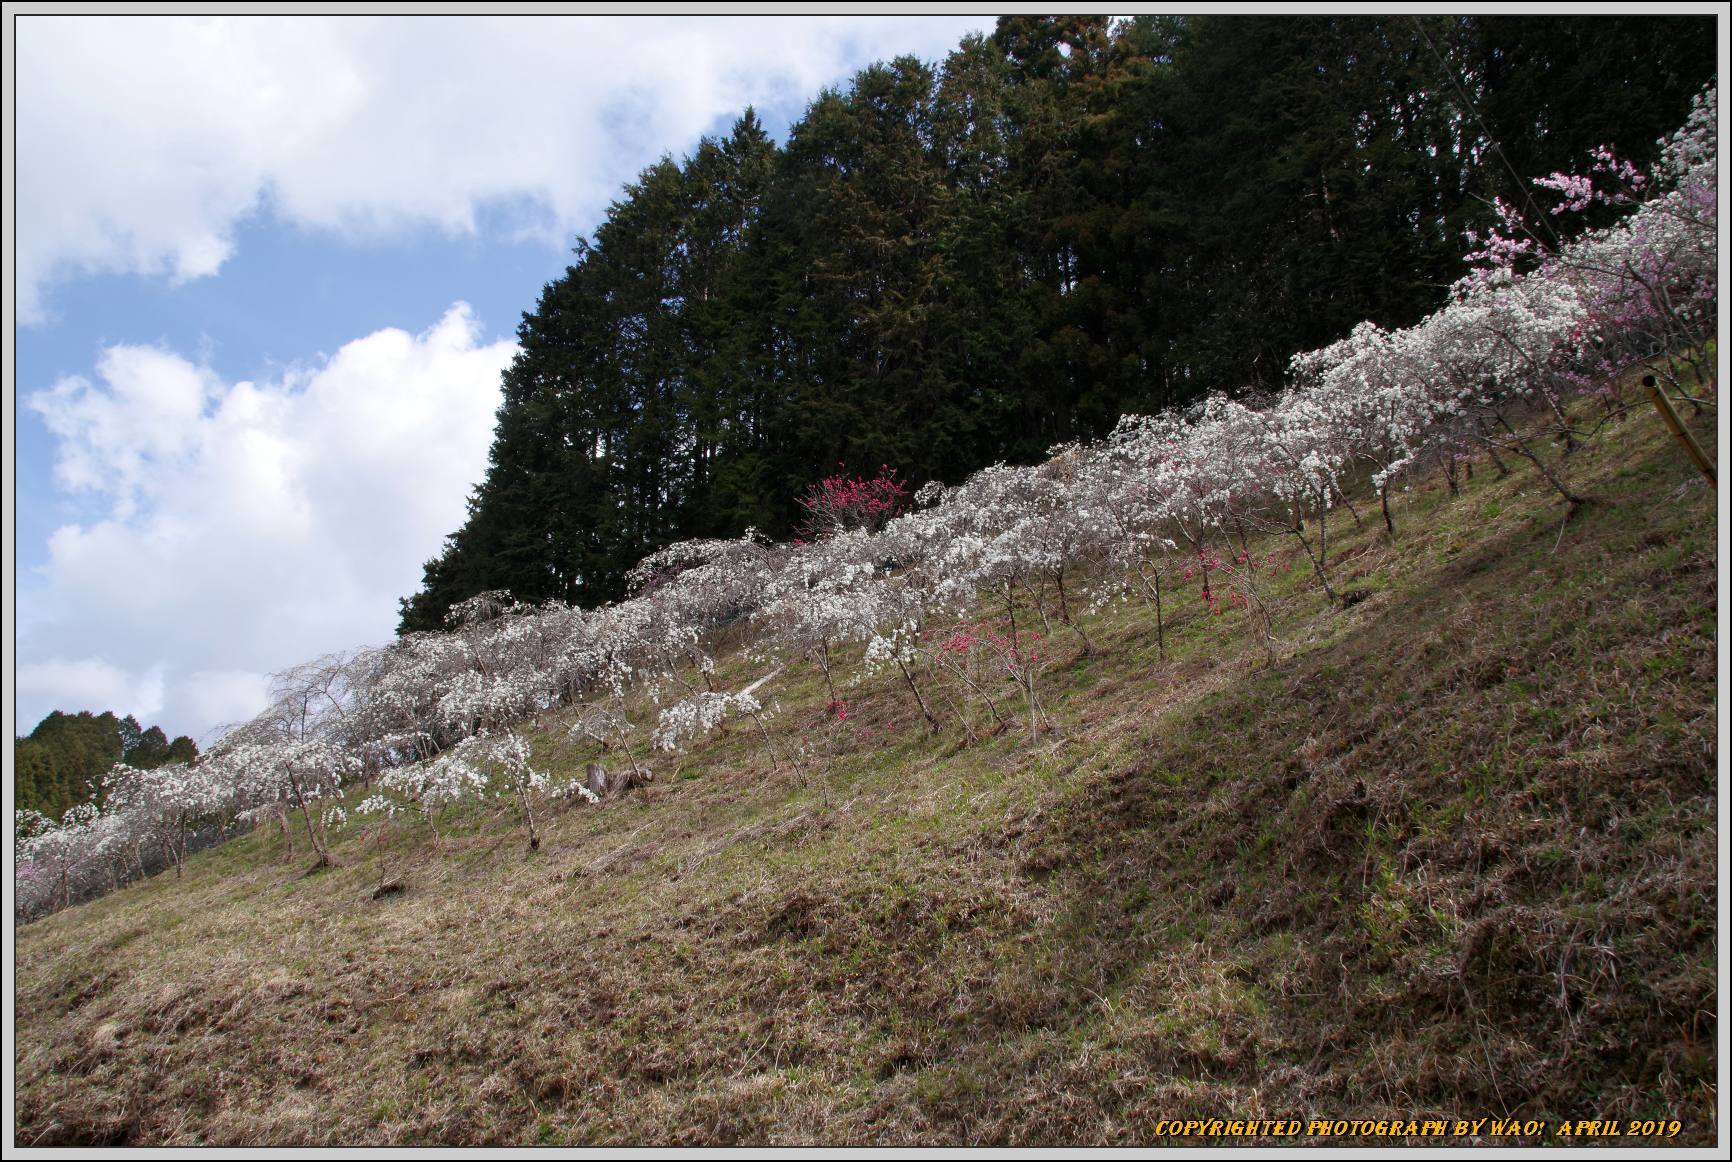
[605,786]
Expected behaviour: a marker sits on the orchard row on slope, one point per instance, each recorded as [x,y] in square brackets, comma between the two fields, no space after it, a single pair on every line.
[1165,501]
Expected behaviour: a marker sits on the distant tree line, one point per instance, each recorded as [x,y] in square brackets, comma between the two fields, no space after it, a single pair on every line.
[61,763]
[948,266]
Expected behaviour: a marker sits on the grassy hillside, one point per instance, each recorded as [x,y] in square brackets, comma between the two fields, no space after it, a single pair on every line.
[1452,853]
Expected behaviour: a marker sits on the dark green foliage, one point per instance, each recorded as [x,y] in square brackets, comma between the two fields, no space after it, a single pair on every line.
[60,764]
[1549,90]
[1068,220]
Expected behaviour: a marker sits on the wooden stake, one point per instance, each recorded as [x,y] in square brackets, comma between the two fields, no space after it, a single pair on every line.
[1670,415]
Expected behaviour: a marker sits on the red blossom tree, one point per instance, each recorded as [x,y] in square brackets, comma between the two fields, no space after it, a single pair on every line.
[843,503]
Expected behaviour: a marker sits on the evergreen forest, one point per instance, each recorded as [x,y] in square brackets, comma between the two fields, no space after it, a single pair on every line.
[61,763]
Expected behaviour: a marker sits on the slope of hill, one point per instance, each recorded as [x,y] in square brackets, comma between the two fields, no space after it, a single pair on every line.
[1451,853]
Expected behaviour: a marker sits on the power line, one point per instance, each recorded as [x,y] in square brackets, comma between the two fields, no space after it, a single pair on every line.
[1473,109]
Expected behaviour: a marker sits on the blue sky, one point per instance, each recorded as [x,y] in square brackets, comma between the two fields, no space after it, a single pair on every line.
[267,274]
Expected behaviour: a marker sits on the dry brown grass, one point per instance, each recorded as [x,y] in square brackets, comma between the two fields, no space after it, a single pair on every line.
[1452,854]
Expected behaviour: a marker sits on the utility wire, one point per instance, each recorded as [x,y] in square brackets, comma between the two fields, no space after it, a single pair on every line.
[1467,100]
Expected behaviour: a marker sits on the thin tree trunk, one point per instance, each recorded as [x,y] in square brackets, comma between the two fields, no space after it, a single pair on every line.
[324,858]
[528,815]
[824,663]
[978,689]
[918,696]
[1155,589]
[1318,568]
[1521,446]
[1064,615]
[1491,450]
[1323,532]
[1348,501]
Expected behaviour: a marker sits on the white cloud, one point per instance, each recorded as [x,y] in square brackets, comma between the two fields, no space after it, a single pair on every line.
[248,526]
[59,684]
[112,437]
[222,697]
[142,143]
